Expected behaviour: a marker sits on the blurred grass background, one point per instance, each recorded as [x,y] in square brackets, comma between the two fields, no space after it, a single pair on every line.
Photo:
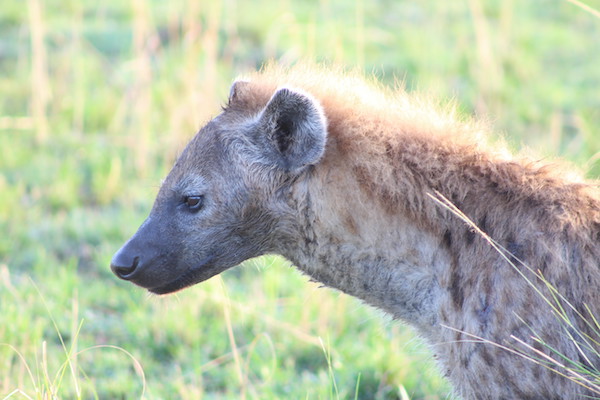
[98,98]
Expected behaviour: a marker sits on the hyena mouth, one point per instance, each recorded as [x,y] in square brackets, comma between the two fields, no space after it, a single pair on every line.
[203,271]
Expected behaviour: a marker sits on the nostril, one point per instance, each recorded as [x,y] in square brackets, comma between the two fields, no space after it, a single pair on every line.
[125,272]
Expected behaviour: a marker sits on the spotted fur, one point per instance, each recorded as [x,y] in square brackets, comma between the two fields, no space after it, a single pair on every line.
[336,174]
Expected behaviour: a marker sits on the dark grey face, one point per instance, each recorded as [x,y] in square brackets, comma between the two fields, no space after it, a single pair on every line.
[222,202]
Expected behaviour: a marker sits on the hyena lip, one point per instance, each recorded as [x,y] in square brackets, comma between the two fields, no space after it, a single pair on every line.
[203,271]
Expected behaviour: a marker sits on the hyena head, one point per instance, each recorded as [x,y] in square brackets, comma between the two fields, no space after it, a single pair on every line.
[227,198]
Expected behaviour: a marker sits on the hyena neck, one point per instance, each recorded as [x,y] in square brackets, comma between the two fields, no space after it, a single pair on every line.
[385,260]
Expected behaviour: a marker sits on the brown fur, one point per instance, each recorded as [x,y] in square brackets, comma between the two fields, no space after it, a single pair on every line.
[360,218]
[399,148]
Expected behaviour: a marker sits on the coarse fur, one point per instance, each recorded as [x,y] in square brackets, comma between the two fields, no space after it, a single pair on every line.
[336,174]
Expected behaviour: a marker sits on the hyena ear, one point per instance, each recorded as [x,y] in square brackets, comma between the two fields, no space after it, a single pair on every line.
[236,90]
[295,128]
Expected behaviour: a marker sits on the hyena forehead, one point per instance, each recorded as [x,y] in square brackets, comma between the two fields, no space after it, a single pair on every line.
[190,184]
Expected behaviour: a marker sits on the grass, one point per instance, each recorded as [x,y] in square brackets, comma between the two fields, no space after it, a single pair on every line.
[97,101]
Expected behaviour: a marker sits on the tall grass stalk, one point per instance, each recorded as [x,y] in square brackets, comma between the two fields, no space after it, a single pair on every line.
[53,385]
[139,370]
[47,384]
[360,32]
[40,83]
[487,68]
[247,363]
[79,94]
[231,336]
[357,387]
[143,36]
[586,7]
[403,393]
[334,392]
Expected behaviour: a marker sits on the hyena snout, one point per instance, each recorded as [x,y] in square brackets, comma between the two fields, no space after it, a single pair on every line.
[124,265]
[142,265]
[139,260]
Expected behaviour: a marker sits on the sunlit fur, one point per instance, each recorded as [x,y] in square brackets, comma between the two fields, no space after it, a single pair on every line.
[367,226]
[337,175]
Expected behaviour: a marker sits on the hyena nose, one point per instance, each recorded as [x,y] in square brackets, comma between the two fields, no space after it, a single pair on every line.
[124,266]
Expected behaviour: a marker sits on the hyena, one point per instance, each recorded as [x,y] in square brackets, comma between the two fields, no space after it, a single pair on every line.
[340,177]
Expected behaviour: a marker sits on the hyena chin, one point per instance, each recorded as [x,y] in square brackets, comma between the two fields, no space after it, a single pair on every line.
[338,177]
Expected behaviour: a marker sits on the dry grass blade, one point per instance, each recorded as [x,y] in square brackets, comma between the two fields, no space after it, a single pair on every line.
[586,7]
[40,83]
[588,375]
[25,364]
[139,370]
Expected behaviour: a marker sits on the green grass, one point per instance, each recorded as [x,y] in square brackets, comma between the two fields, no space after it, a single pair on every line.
[97,101]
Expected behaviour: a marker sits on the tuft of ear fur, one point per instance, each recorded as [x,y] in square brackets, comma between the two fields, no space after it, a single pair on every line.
[236,90]
[295,128]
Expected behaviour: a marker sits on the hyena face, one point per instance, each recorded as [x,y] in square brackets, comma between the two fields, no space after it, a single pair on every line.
[227,197]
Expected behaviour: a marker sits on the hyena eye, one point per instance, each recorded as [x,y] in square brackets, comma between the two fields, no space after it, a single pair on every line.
[194,203]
